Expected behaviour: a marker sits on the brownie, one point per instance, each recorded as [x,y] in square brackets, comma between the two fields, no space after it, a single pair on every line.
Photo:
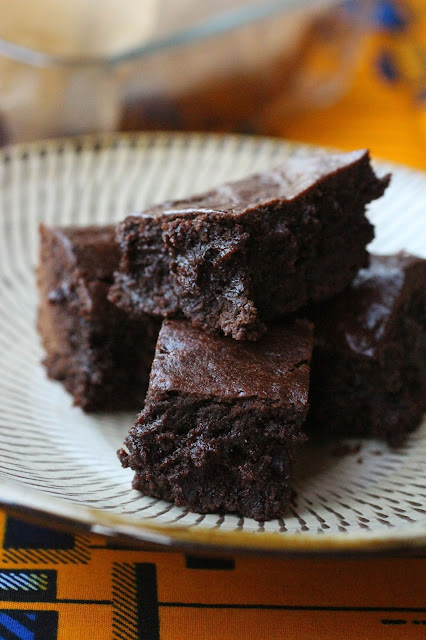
[102,358]
[247,252]
[369,363]
[222,420]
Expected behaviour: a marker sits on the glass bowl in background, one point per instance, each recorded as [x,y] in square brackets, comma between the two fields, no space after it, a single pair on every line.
[82,66]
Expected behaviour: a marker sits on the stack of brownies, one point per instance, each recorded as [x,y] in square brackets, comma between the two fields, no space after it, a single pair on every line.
[239,310]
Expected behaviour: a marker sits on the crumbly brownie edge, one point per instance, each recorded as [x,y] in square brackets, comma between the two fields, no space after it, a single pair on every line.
[103,362]
[142,285]
[211,274]
[211,456]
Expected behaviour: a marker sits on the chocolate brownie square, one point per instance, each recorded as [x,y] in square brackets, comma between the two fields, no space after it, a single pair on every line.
[247,252]
[102,358]
[369,363]
[222,420]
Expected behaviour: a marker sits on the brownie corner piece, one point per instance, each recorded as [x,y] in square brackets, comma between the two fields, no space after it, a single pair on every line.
[369,365]
[102,358]
[222,420]
[235,258]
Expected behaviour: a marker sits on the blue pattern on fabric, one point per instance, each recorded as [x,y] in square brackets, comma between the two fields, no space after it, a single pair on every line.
[389,16]
[16,624]
[16,628]
[388,67]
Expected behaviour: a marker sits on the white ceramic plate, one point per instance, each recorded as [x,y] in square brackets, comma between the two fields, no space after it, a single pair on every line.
[59,465]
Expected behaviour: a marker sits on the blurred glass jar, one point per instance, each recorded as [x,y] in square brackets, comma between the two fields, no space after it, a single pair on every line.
[82,66]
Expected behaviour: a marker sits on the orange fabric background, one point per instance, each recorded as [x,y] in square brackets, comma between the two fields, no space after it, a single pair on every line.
[386,117]
[297,599]
[253,598]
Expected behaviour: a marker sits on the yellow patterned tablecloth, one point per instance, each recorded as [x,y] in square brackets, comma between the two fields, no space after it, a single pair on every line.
[77,587]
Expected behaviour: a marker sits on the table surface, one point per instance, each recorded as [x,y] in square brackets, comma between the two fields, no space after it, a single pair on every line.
[76,587]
